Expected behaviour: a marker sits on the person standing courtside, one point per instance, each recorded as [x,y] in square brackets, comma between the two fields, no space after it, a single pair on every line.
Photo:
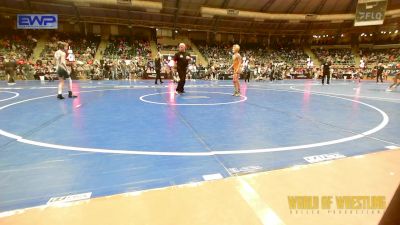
[326,71]
[246,69]
[181,59]
[157,65]
[10,67]
[379,72]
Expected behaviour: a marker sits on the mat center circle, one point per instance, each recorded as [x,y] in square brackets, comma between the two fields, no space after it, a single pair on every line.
[192,98]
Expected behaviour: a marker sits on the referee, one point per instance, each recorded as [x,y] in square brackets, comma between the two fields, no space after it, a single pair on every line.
[157,66]
[181,59]
[326,71]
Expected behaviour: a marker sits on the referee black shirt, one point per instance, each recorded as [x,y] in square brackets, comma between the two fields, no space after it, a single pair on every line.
[326,68]
[380,70]
[181,61]
[157,64]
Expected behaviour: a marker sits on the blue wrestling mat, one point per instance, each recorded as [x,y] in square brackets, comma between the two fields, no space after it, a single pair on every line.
[122,136]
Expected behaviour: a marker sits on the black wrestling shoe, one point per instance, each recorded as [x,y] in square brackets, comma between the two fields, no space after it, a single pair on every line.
[70,95]
[59,96]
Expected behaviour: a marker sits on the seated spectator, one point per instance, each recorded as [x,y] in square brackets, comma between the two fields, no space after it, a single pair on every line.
[339,56]
[374,56]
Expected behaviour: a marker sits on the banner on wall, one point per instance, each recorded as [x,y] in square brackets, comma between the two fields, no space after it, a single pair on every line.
[370,12]
[37,21]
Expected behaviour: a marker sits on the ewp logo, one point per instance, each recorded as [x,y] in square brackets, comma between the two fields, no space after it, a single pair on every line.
[37,21]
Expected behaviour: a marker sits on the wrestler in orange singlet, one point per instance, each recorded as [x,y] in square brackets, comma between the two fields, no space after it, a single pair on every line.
[237,66]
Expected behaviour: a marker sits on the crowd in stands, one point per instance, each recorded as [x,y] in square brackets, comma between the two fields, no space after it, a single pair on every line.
[385,56]
[295,56]
[84,47]
[109,69]
[18,44]
[125,57]
[24,69]
[339,56]
[258,59]
[126,48]
[217,55]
